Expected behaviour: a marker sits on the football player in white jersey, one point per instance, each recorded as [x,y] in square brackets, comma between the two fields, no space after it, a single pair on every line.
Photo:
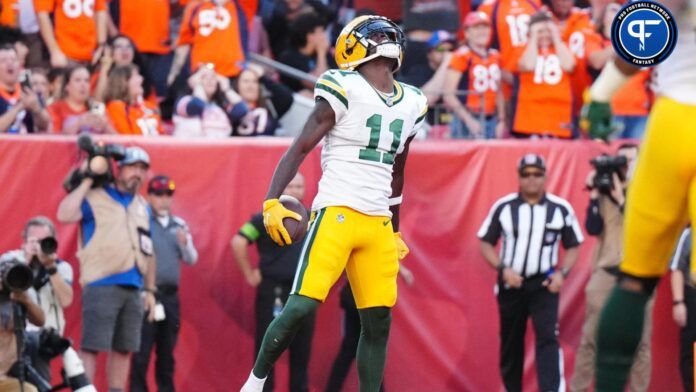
[661,197]
[367,121]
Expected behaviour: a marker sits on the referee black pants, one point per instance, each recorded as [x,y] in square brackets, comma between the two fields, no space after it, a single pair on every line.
[687,339]
[515,306]
[301,346]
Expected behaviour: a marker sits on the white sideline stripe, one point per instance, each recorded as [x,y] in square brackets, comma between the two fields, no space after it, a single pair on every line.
[304,250]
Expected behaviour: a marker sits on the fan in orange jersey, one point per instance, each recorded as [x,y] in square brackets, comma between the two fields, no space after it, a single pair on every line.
[152,38]
[72,29]
[476,68]
[125,107]
[631,103]
[510,23]
[214,31]
[9,13]
[544,71]
[574,24]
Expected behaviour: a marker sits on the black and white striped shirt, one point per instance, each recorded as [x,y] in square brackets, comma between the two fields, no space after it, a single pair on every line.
[681,260]
[531,233]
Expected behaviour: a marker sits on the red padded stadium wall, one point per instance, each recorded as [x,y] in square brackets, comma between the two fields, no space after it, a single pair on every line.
[445,327]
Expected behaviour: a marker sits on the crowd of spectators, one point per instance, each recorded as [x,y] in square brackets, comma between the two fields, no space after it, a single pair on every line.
[73,66]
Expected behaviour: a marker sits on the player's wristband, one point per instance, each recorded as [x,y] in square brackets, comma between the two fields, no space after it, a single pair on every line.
[393,201]
[610,80]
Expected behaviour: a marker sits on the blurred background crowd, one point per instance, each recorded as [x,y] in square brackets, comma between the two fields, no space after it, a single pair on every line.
[219,68]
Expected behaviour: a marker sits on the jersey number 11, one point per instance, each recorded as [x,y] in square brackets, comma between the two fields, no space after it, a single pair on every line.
[371,153]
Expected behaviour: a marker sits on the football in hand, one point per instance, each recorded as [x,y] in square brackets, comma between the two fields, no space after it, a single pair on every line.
[296,229]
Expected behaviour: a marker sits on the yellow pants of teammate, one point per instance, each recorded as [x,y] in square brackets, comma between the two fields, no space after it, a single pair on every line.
[662,195]
[339,239]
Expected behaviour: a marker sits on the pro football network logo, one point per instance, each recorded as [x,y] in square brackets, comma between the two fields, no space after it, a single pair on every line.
[644,33]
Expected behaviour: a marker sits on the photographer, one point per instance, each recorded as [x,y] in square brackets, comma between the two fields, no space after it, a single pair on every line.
[8,338]
[605,220]
[52,284]
[117,263]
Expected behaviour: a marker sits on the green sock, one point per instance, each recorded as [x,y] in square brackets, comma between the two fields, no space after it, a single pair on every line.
[618,334]
[372,347]
[282,330]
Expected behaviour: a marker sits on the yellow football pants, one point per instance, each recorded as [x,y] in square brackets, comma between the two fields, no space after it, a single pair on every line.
[662,195]
[341,238]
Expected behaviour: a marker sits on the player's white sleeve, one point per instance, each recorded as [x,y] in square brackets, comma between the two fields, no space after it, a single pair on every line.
[422,106]
[329,87]
[608,81]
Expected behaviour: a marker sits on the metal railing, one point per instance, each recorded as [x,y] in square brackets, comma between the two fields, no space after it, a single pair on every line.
[282,68]
[302,105]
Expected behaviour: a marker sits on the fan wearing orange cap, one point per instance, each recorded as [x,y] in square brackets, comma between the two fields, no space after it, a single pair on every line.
[475,67]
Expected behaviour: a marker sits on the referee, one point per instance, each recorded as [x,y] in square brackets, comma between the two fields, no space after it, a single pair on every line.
[684,307]
[532,224]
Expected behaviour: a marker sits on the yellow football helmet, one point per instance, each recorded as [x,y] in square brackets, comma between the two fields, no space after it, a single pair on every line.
[368,37]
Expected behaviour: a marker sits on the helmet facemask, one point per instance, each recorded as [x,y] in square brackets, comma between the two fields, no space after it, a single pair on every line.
[381,37]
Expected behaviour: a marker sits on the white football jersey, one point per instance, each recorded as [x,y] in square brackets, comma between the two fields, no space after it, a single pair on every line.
[676,76]
[359,152]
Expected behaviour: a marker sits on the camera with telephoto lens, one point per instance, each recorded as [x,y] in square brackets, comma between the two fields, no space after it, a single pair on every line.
[15,276]
[48,245]
[605,167]
[99,156]
[51,345]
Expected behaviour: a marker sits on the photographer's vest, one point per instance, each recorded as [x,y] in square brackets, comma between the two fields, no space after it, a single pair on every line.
[120,241]
[608,248]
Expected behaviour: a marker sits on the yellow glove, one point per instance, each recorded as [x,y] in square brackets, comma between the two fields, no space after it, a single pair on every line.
[273,215]
[401,248]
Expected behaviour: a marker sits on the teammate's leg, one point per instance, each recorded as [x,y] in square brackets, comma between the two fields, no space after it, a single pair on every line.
[655,215]
[597,291]
[639,376]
